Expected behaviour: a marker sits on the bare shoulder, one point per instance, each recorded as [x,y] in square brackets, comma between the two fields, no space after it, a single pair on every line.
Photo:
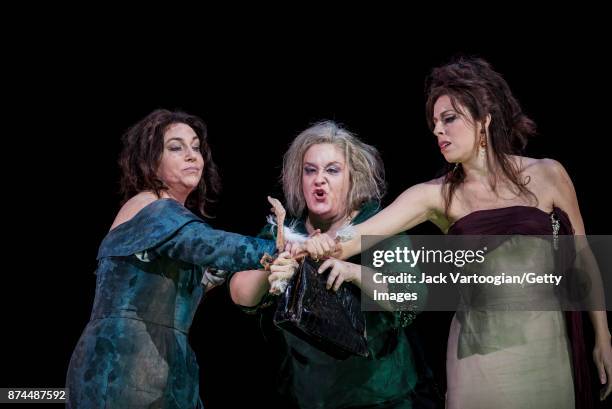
[429,196]
[561,190]
[433,189]
[548,169]
[411,208]
[438,182]
[427,193]
[133,206]
[554,173]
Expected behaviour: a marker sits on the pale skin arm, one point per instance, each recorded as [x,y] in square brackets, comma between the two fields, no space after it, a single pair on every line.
[247,288]
[565,198]
[417,204]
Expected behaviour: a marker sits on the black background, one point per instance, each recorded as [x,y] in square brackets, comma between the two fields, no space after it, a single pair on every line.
[71,98]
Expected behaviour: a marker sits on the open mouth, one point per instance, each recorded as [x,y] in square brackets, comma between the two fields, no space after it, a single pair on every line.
[443,145]
[320,194]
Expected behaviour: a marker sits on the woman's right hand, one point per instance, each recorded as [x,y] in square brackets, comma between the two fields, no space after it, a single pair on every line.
[321,245]
[294,248]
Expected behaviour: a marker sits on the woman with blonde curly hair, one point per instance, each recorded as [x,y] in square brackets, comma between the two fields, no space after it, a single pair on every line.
[331,178]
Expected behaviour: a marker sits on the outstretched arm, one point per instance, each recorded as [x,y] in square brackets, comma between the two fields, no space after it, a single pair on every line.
[416,205]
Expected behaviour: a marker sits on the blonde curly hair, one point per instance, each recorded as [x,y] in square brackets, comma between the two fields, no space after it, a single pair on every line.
[366,169]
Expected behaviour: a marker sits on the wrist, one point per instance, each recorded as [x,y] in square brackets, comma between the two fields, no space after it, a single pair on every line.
[356,273]
[602,337]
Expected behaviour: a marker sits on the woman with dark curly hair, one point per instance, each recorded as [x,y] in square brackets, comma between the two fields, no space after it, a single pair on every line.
[496,359]
[153,268]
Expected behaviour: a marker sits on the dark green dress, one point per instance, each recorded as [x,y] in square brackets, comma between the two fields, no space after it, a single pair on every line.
[386,379]
[134,351]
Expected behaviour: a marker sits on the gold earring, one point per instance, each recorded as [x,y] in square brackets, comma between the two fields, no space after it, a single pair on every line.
[483,146]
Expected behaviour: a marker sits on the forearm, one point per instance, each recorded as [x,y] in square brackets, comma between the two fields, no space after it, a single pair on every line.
[247,288]
[587,264]
[350,248]
[198,243]
[353,242]
[600,325]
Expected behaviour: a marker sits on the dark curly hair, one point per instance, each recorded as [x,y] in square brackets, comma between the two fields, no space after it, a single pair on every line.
[472,83]
[140,157]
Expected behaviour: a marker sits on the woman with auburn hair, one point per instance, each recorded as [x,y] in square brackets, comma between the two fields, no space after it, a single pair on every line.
[495,359]
[154,266]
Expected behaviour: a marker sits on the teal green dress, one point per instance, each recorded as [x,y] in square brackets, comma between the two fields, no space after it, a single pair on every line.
[134,352]
[386,379]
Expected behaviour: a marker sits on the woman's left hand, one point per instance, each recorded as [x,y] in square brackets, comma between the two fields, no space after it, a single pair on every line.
[213,277]
[602,355]
[281,271]
[341,271]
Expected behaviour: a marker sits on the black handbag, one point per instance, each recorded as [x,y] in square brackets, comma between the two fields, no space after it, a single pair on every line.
[330,321]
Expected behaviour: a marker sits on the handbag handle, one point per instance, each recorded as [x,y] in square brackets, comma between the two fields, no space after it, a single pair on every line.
[280,213]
